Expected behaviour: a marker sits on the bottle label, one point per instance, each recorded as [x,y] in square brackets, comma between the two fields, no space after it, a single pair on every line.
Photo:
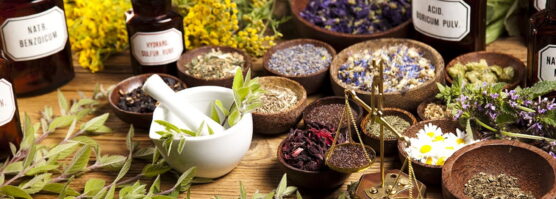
[157,48]
[7,102]
[34,36]
[540,4]
[547,63]
[442,19]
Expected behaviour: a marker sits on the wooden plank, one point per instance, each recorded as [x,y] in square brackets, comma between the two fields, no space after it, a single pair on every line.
[259,169]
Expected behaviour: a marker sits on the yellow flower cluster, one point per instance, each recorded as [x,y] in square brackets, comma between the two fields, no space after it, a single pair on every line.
[97,29]
[218,22]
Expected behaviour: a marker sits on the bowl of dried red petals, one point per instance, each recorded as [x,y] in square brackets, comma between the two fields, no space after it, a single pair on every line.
[301,156]
[132,105]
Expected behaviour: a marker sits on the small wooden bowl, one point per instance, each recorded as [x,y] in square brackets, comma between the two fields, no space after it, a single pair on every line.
[429,174]
[389,143]
[195,81]
[492,58]
[332,100]
[407,100]
[534,168]
[311,82]
[139,120]
[423,105]
[337,39]
[323,180]
[282,121]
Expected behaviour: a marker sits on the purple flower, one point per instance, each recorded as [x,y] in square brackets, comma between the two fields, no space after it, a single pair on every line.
[458,114]
[495,95]
[552,154]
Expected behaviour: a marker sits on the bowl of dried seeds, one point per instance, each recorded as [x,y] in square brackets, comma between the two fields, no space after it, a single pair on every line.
[433,109]
[398,118]
[411,71]
[132,105]
[283,101]
[499,169]
[303,60]
[212,65]
[328,111]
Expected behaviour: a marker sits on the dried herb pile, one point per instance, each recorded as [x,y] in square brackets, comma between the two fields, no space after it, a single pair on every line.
[329,115]
[276,99]
[483,186]
[350,156]
[398,123]
[434,111]
[139,102]
[215,65]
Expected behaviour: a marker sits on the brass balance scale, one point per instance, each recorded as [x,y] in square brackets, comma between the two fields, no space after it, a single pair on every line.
[386,184]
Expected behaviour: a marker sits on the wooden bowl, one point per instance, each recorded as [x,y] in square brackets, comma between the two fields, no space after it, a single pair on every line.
[139,120]
[534,168]
[389,143]
[337,39]
[195,81]
[332,100]
[311,82]
[407,100]
[423,105]
[429,174]
[492,58]
[323,179]
[280,122]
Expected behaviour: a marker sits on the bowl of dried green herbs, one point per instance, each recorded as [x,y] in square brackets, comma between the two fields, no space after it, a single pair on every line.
[499,169]
[212,65]
[399,119]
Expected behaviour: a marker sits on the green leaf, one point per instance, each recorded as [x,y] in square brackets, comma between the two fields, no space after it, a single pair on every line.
[238,79]
[549,118]
[282,186]
[214,114]
[163,197]
[289,190]
[112,162]
[210,131]
[270,195]
[145,153]
[242,93]
[152,170]
[86,140]
[95,123]
[124,169]
[62,149]
[110,193]
[61,122]
[62,103]
[58,188]
[181,145]
[234,117]
[36,183]
[82,102]
[82,113]
[71,129]
[185,179]
[2,178]
[30,158]
[469,131]
[539,89]
[79,161]
[221,107]
[14,192]
[28,134]
[298,195]
[14,168]
[243,193]
[129,138]
[169,126]
[137,190]
[64,189]
[93,186]
[155,187]
[41,169]
[13,149]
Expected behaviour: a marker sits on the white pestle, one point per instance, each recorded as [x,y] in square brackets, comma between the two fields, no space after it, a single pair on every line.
[189,115]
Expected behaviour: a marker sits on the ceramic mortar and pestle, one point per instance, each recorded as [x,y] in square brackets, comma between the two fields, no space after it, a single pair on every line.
[214,155]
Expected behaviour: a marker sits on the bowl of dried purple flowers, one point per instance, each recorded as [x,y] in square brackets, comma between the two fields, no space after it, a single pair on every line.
[212,66]
[343,23]
[301,156]
[134,106]
[411,70]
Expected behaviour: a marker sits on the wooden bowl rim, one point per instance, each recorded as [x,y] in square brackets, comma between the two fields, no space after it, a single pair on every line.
[421,108]
[341,34]
[143,78]
[447,169]
[296,42]
[359,110]
[401,143]
[182,62]
[439,67]
[295,84]
[386,111]
[520,69]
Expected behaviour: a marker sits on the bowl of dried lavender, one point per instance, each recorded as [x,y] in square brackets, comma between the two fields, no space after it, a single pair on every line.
[343,23]
[212,65]
[499,169]
[303,60]
[411,71]
[132,105]
[282,104]
[398,118]
[301,156]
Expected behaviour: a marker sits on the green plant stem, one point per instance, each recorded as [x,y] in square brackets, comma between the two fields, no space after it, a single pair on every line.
[524,136]
[523,108]
[132,179]
[484,125]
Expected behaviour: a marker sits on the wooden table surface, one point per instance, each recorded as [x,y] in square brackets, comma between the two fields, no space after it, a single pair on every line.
[259,169]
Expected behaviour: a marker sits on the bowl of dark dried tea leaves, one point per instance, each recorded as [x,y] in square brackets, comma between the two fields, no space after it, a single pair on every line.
[328,111]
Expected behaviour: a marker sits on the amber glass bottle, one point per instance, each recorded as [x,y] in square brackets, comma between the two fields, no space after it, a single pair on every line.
[452,27]
[155,36]
[10,129]
[541,53]
[34,37]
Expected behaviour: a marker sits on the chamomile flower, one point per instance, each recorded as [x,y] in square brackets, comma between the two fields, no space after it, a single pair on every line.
[431,132]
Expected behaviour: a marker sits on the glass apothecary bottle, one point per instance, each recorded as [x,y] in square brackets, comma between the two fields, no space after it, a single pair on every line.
[34,37]
[155,36]
[452,27]
[10,129]
[541,53]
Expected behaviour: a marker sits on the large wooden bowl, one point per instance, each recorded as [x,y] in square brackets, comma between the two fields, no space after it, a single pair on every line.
[534,168]
[193,81]
[429,174]
[337,39]
[311,82]
[280,122]
[390,144]
[492,58]
[408,100]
